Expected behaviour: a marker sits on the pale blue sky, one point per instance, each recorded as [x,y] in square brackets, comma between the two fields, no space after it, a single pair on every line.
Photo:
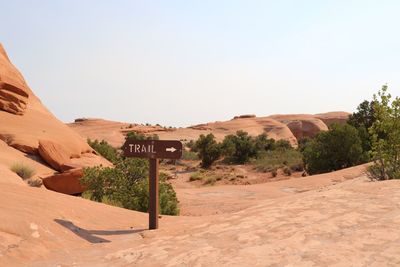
[186,62]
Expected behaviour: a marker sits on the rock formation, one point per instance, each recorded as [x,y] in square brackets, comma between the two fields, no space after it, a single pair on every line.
[302,125]
[66,182]
[14,92]
[329,118]
[114,132]
[29,129]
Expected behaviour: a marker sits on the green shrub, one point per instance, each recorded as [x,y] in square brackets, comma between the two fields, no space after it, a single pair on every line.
[35,182]
[362,120]
[302,143]
[239,148]
[22,170]
[385,133]
[211,180]
[282,144]
[140,136]
[189,155]
[168,199]
[287,171]
[191,145]
[105,150]
[262,143]
[298,167]
[208,150]
[276,159]
[236,148]
[127,186]
[196,177]
[338,148]
[208,178]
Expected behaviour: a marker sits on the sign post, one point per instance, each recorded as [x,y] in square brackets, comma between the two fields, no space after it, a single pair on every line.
[153,150]
[153,194]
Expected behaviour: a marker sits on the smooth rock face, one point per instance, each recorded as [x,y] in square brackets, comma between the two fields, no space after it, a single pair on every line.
[34,122]
[13,89]
[27,127]
[67,182]
[306,128]
[54,154]
[302,125]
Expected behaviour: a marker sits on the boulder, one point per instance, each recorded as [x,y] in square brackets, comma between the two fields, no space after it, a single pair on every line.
[54,154]
[66,183]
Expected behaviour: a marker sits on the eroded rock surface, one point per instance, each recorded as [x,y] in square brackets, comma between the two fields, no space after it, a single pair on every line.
[302,125]
[14,92]
[32,133]
[54,154]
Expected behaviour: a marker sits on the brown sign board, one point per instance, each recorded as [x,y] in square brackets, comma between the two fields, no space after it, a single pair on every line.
[153,149]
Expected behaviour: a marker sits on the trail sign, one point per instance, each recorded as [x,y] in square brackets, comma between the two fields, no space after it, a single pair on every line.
[153,150]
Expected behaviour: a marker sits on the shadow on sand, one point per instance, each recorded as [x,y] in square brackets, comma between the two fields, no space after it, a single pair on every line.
[89,235]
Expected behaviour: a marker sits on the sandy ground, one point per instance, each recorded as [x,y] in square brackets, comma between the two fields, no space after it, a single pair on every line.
[209,200]
[338,219]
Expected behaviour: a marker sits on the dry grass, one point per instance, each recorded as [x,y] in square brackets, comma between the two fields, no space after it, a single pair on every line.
[277,159]
[23,171]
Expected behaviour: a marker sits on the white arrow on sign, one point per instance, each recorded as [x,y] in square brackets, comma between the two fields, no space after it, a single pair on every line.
[171,149]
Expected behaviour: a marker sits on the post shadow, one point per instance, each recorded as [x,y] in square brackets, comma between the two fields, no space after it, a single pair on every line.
[89,235]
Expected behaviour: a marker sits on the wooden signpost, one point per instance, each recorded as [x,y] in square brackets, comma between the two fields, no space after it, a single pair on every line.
[153,150]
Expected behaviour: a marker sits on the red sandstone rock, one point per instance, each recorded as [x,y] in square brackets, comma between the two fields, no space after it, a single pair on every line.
[67,182]
[13,89]
[54,154]
[302,125]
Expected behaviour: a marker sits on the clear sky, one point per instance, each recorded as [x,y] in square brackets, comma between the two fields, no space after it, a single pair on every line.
[186,62]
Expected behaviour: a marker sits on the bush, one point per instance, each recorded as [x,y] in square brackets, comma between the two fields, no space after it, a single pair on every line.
[302,143]
[211,180]
[287,171]
[239,148]
[385,132]
[189,155]
[196,177]
[282,144]
[22,170]
[208,150]
[191,145]
[126,185]
[262,143]
[298,167]
[35,182]
[140,136]
[333,150]
[105,150]
[168,199]
[275,159]
[362,120]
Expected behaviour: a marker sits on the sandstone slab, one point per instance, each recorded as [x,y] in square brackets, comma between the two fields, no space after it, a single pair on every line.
[54,154]
[66,183]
